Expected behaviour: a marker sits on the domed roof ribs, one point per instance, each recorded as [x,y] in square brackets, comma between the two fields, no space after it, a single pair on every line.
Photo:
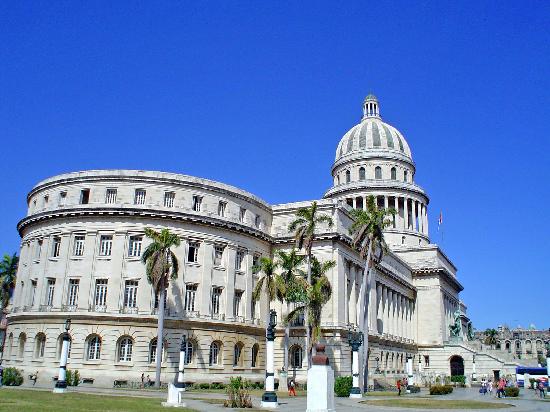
[389,137]
[375,135]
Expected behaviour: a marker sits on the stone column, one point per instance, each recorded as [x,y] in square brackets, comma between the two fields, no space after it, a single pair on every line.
[396,207]
[413,213]
[405,213]
[386,202]
[421,217]
[426,231]
[378,305]
[384,309]
[352,304]
[390,311]
[398,315]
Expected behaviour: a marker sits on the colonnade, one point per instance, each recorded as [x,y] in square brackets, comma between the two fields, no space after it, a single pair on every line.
[411,214]
[396,312]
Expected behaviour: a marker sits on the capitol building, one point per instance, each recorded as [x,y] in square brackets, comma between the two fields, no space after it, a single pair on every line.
[83,235]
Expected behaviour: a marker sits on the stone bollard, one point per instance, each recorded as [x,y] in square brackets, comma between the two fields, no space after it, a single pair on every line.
[320,383]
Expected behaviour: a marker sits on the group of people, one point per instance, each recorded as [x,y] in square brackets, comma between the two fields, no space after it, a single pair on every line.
[145,382]
[540,388]
[402,384]
[487,387]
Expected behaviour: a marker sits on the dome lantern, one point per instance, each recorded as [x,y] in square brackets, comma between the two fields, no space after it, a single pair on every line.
[370,107]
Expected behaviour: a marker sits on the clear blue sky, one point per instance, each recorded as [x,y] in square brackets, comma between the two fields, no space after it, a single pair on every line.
[258,94]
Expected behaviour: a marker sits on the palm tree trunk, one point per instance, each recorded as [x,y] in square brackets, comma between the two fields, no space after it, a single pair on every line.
[160,333]
[364,315]
[306,315]
[287,338]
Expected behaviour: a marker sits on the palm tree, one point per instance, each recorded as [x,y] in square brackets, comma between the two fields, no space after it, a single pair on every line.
[491,337]
[161,266]
[367,230]
[303,227]
[317,294]
[269,281]
[290,262]
[8,273]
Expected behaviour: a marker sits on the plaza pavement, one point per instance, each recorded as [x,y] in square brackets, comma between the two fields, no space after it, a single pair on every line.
[527,402]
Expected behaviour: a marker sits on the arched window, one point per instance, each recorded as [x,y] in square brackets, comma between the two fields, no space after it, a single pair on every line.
[393,173]
[518,346]
[153,351]
[507,346]
[60,346]
[255,350]
[348,176]
[405,176]
[40,345]
[10,344]
[361,173]
[214,356]
[189,352]
[22,342]
[125,346]
[94,348]
[378,172]
[296,355]
[238,354]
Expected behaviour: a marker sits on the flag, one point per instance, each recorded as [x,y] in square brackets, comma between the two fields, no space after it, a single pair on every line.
[440,220]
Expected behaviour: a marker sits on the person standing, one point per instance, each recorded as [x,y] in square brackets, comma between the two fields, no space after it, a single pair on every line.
[483,389]
[1,373]
[142,380]
[540,386]
[291,388]
[490,387]
[398,387]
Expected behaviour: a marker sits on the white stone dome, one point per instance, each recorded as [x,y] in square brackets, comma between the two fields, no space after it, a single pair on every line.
[372,135]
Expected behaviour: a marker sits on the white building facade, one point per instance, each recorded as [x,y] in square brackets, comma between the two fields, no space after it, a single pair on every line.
[80,253]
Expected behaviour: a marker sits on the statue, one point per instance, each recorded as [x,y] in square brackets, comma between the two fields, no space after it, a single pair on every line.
[470,330]
[456,328]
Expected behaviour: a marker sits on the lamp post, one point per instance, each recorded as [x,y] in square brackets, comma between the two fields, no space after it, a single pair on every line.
[269,398]
[61,384]
[355,340]
[175,390]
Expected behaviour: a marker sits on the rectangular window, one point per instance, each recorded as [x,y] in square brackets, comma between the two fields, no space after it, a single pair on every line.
[218,255]
[237,302]
[110,196]
[84,196]
[239,260]
[78,249]
[100,298]
[46,200]
[190,294]
[257,221]
[56,246]
[72,298]
[130,293]
[426,360]
[105,245]
[139,197]
[169,199]
[33,292]
[216,299]
[221,208]
[255,260]
[62,198]
[193,252]
[197,202]
[134,246]
[242,214]
[37,249]
[50,292]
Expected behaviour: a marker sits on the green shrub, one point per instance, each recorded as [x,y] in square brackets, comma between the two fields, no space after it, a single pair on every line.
[238,393]
[204,385]
[69,377]
[441,389]
[217,385]
[343,385]
[414,388]
[458,379]
[76,378]
[12,377]
[511,392]
[257,385]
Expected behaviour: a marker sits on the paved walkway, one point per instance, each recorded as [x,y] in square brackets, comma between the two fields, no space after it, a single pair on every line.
[527,402]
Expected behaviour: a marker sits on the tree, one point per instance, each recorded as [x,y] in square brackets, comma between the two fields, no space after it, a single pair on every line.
[8,273]
[317,294]
[490,337]
[303,227]
[367,230]
[161,266]
[292,290]
[269,282]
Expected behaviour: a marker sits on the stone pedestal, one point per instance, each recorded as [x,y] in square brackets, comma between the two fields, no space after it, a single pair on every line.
[174,397]
[320,383]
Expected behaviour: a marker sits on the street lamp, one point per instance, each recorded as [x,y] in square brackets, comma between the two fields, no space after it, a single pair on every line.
[269,398]
[61,384]
[355,340]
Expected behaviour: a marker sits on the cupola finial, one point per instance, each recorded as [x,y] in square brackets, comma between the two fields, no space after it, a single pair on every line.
[370,107]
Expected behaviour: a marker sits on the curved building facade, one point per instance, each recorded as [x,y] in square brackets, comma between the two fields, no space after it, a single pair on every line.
[80,253]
